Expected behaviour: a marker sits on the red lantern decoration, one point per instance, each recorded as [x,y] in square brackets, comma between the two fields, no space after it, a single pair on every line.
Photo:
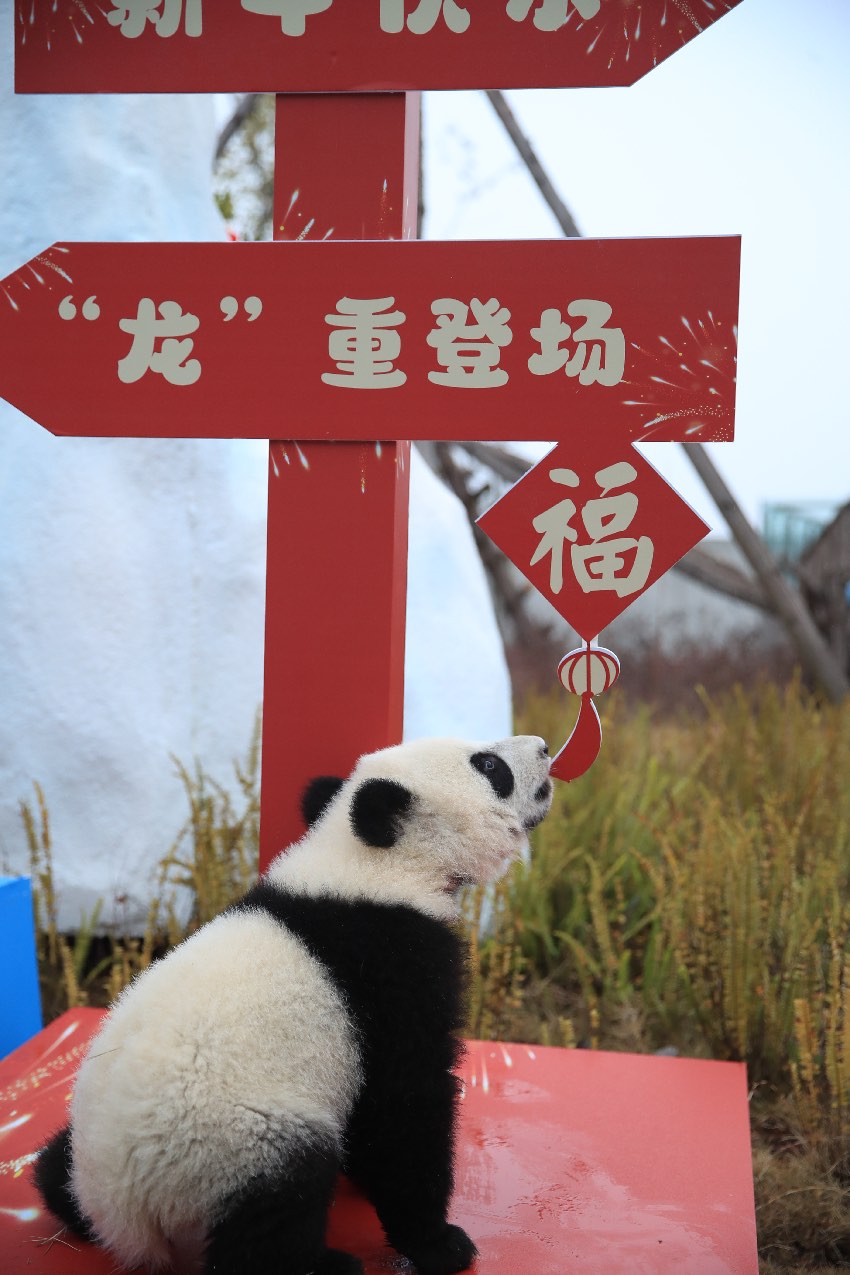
[587,671]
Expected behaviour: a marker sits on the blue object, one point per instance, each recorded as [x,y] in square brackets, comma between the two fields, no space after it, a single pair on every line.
[20,1007]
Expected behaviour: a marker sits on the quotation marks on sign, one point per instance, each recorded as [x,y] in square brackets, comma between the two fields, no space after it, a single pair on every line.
[68,309]
[620,565]
[166,17]
[162,335]
[230,308]
[468,339]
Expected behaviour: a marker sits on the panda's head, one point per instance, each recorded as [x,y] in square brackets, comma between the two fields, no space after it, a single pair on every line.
[416,822]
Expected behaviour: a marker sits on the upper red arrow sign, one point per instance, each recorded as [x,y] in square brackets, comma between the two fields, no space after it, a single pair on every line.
[539,339]
[203,46]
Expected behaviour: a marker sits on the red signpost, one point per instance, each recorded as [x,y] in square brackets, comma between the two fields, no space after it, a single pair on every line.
[186,46]
[334,340]
[571,338]
[597,344]
[336,569]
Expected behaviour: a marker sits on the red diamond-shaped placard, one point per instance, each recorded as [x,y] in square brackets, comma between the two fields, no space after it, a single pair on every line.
[592,526]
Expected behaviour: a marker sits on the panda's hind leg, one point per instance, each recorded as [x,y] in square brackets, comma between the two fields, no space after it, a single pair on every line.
[276,1224]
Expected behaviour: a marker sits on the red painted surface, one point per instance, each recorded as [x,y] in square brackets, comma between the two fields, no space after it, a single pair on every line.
[593,526]
[568,1160]
[187,46]
[336,573]
[578,754]
[244,348]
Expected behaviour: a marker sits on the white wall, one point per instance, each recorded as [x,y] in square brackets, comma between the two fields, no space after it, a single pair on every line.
[131,571]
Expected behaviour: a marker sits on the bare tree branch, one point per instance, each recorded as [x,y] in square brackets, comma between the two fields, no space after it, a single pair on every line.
[243,109]
[813,650]
[528,155]
[724,577]
[511,592]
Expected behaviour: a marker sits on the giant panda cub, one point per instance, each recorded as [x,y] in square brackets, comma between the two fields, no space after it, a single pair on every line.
[308,1029]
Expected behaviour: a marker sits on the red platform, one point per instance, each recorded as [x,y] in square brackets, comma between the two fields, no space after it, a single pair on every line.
[568,1161]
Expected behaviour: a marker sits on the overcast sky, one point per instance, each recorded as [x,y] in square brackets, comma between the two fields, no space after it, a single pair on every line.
[744,131]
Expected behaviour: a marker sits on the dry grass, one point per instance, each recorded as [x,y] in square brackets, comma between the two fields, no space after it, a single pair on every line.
[211,862]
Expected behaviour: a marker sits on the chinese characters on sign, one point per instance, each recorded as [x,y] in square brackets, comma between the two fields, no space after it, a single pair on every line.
[606,362]
[364,342]
[172,358]
[469,351]
[363,349]
[602,562]
[559,337]
[353,46]
[132,16]
[162,345]
[592,526]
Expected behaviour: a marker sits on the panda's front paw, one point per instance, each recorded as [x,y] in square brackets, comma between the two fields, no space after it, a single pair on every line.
[447,1253]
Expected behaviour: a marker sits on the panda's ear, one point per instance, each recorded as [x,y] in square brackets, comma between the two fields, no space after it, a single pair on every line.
[378,810]
[317,796]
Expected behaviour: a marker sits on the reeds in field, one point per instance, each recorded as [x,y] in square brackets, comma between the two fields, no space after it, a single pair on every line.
[697,877]
[211,862]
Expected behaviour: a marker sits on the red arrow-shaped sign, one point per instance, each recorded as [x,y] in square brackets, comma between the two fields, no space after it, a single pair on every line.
[217,46]
[555,339]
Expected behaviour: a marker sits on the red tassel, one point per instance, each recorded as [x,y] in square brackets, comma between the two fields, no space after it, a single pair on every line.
[582,748]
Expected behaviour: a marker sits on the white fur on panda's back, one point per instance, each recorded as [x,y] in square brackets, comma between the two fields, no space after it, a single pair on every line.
[234,1045]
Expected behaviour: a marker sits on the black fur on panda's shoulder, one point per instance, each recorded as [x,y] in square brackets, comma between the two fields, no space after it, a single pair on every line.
[402,974]
[317,796]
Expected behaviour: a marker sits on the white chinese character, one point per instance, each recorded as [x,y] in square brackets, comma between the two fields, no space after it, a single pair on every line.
[600,565]
[363,349]
[606,362]
[469,351]
[424,17]
[132,15]
[172,359]
[552,14]
[293,14]
[555,530]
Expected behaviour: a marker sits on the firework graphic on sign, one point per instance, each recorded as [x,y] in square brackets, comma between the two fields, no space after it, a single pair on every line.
[625,27]
[693,398]
[48,270]
[55,21]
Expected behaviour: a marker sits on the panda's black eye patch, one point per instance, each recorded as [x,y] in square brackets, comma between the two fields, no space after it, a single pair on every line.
[496,771]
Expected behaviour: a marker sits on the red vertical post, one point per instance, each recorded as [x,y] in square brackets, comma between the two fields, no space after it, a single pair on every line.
[346,167]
